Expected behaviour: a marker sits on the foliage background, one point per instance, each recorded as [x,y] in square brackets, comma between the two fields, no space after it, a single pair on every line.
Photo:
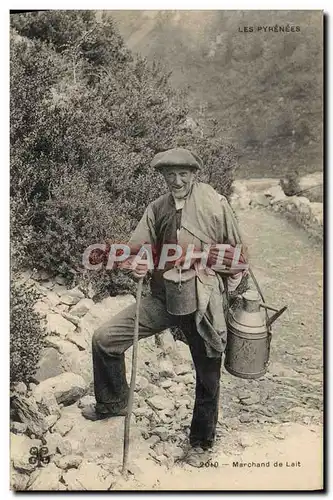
[86,118]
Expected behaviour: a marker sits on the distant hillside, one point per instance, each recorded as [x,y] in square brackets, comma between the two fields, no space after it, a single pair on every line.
[264,89]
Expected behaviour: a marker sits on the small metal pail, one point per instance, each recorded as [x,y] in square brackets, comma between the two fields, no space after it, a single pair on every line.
[180,289]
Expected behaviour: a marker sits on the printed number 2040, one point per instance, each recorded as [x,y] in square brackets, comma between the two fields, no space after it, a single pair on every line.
[209,463]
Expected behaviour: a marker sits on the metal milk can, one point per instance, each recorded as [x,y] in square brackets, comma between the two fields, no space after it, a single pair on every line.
[249,336]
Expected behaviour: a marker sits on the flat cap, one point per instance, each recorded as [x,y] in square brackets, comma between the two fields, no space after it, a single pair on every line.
[176,157]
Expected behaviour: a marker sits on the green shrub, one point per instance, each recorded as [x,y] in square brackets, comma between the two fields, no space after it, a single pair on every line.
[86,119]
[26,333]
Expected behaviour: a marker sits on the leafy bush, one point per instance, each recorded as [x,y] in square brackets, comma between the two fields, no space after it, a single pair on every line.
[86,119]
[26,333]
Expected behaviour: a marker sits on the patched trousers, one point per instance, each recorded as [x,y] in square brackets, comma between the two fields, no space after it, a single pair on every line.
[115,336]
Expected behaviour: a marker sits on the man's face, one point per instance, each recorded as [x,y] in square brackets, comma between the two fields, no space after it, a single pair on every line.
[179,180]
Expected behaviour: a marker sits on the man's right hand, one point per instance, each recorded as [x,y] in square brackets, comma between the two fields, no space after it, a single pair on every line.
[140,270]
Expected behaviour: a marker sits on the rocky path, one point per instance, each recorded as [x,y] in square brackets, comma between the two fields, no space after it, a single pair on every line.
[273,420]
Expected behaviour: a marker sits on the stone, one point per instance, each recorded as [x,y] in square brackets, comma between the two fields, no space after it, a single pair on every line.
[73,319]
[52,298]
[68,462]
[245,418]
[167,342]
[162,432]
[71,297]
[79,362]
[29,414]
[20,447]
[20,388]
[53,442]
[56,323]
[18,480]
[45,479]
[143,412]
[41,308]
[82,307]
[102,311]
[246,441]
[186,379]
[59,289]
[63,346]
[275,194]
[259,199]
[18,427]
[60,280]
[49,364]
[41,275]
[89,476]
[63,426]
[183,369]
[77,340]
[67,388]
[251,400]
[141,383]
[86,401]
[166,384]
[48,284]
[161,403]
[183,353]
[51,420]
[60,309]
[65,447]
[47,404]
[166,369]
[153,440]
[315,182]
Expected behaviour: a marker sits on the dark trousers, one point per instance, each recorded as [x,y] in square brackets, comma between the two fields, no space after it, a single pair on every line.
[114,337]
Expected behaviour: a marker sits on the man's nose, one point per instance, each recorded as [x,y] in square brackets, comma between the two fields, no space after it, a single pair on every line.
[178,180]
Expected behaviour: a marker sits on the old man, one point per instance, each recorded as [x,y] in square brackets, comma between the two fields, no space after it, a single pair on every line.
[191,213]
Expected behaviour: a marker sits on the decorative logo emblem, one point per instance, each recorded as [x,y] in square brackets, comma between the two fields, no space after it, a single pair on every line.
[39,456]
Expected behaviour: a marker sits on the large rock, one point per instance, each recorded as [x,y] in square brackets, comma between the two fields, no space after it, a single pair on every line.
[52,298]
[18,427]
[53,442]
[20,447]
[30,415]
[103,311]
[67,388]
[56,323]
[102,437]
[78,340]
[313,183]
[68,462]
[160,403]
[82,307]
[45,479]
[72,297]
[41,308]
[89,476]
[47,404]
[275,194]
[166,369]
[71,359]
[18,480]
[317,210]
[259,199]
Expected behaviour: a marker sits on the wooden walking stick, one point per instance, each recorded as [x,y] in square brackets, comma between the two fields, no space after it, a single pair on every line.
[133,376]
